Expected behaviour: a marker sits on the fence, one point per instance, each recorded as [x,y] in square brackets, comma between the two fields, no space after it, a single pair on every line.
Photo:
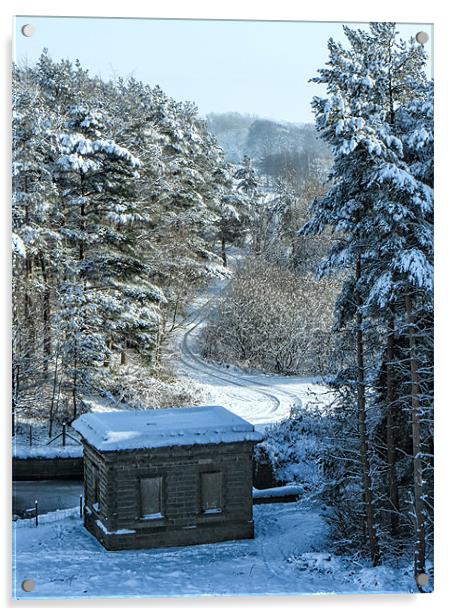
[37,519]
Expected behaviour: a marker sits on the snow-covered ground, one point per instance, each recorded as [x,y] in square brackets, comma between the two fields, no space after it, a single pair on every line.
[36,433]
[23,452]
[287,556]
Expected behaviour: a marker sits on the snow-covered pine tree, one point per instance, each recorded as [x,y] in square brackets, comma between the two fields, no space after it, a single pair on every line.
[233,209]
[278,209]
[248,185]
[186,199]
[107,302]
[342,121]
[116,242]
[372,191]
[400,261]
[35,224]
[178,189]
[400,277]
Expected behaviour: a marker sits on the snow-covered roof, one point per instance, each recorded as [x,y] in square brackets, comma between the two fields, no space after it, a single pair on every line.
[147,429]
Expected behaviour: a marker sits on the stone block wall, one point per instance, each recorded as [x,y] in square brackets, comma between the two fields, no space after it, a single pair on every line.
[118,524]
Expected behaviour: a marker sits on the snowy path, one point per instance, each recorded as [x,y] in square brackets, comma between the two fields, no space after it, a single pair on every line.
[258,398]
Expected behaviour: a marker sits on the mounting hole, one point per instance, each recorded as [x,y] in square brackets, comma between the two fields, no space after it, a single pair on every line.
[422,38]
[28,585]
[28,30]
[422,579]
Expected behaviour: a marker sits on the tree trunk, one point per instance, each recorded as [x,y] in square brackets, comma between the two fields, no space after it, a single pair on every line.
[419,549]
[108,357]
[47,340]
[173,322]
[54,390]
[123,358]
[74,384]
[15,392]
[393,491]
[374,547]
[223,251]
[28,274]
[158,345]
[82,277]
[82,227]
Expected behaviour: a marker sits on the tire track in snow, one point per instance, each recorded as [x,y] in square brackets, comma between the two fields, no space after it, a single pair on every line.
[252,389]
[276,395]
[195,362]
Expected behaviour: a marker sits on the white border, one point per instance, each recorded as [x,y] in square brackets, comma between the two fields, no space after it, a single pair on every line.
[325,10]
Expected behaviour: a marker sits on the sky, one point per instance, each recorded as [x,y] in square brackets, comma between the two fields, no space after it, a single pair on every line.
[257,67]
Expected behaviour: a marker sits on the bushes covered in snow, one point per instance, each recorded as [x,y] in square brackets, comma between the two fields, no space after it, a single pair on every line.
[136,387]
[297,448]
[274,320]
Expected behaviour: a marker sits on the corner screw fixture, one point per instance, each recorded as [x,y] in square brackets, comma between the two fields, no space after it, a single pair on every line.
[28,585]
[28,30]
[422,37]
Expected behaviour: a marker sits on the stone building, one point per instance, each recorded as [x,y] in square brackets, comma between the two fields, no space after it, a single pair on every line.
[167,477]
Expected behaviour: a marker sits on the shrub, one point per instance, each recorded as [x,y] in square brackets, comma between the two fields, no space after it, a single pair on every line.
[274,320]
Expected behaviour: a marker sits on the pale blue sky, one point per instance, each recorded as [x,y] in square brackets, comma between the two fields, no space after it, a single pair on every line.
[247,66]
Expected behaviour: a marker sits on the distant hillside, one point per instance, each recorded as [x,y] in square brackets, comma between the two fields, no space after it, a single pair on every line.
[231,130]
[276,148]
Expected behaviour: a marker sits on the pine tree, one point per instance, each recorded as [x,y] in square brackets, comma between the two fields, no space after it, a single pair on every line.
[402,280]
[106,300]
[248,185]
[371,205]
[37,238]
[233,208]
[341,123]
[119,197]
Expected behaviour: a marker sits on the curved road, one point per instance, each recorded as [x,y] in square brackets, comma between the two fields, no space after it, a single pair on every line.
[258,398]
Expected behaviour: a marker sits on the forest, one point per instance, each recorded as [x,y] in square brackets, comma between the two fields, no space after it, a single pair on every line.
[127,204]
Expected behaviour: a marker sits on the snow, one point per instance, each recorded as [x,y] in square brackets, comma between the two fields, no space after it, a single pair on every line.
[22,452]
[348,146]
[18,245]
[415,264]
[368,82]
[289,555]
[125,430]
[47,518]
[77,150]
[279,491]
[153,516]
[400,178]
[74,162]
[259,398]
[120,531]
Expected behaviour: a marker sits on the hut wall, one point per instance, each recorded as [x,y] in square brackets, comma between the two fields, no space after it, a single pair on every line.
[183,521]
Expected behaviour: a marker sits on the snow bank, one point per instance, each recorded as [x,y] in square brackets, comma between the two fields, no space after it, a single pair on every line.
[296,446]
[23,453]
[278,492]
[47,518]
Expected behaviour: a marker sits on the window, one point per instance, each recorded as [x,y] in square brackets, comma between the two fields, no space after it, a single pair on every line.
[151,497]
[212,492]
[96,488]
